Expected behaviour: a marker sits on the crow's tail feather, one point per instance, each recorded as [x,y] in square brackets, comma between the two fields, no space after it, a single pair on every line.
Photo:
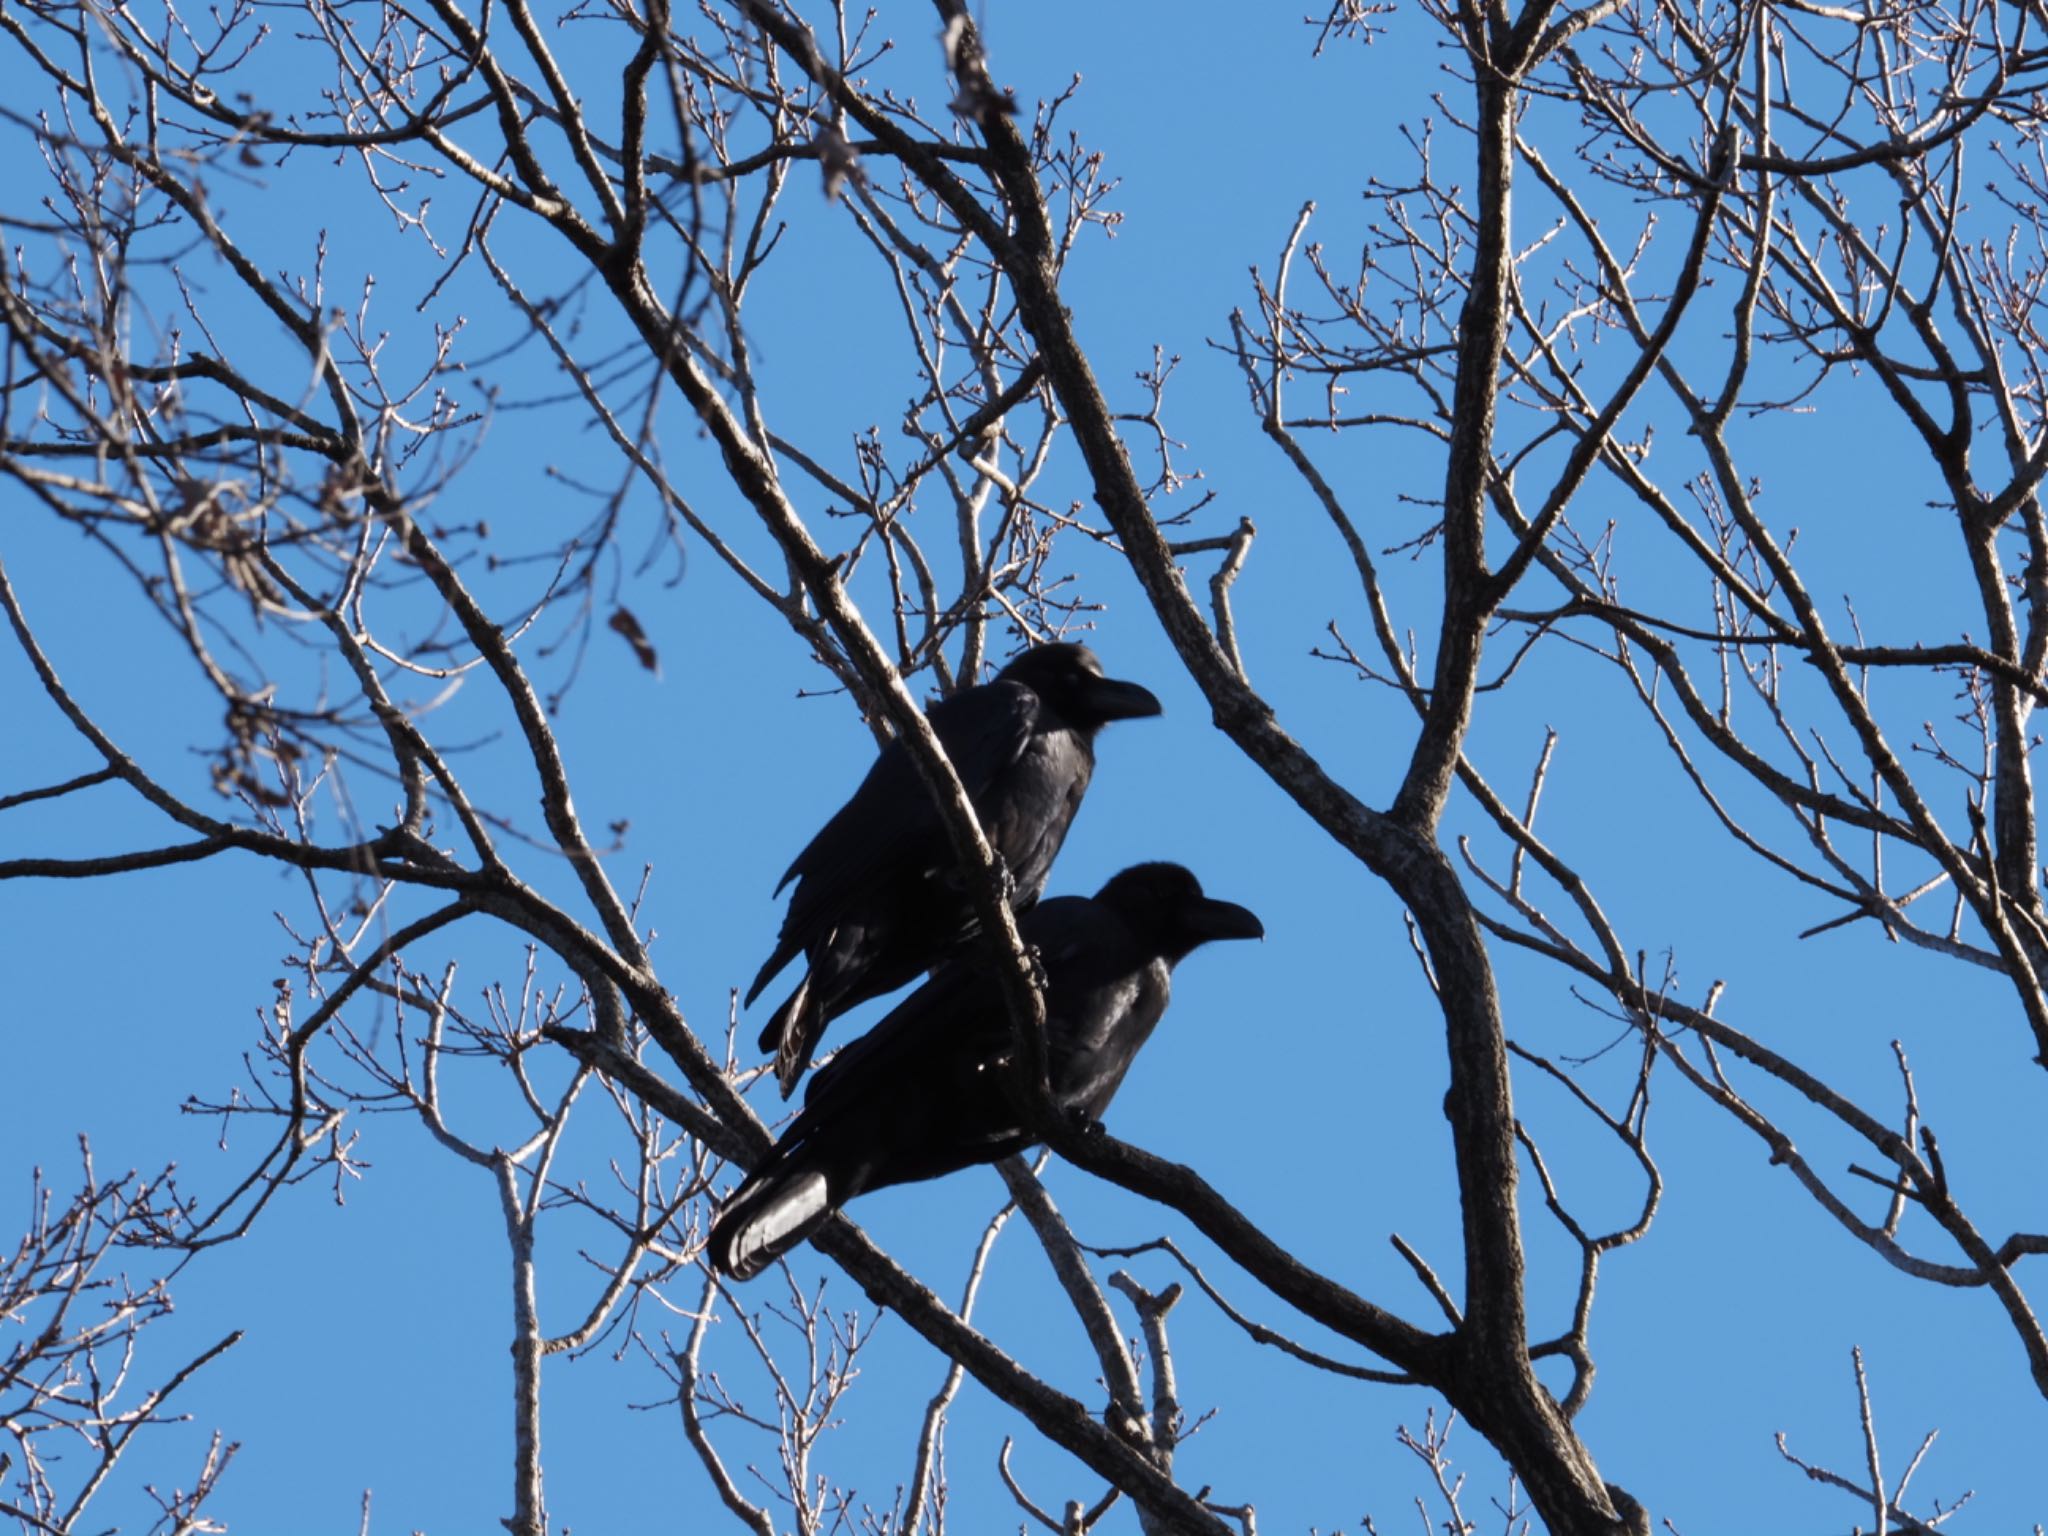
[785,951]
[768,1217]
[792,1034]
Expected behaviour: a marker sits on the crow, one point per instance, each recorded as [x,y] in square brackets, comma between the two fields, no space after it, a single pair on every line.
[932,1087]
[879,896]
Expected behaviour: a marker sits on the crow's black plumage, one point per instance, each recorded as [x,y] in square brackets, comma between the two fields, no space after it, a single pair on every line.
[927,1090]
[878,894]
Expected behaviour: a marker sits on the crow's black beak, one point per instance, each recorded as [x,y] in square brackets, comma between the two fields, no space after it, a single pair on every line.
[1223,920]
[1110,698]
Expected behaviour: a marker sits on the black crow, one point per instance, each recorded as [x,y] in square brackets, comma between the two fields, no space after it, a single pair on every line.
[878,894]
[931,1088]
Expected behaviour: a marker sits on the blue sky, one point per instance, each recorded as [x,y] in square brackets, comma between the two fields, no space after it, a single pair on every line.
[1303,1076]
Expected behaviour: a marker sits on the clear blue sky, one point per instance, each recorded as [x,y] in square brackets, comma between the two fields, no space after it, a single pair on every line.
[1303,1076]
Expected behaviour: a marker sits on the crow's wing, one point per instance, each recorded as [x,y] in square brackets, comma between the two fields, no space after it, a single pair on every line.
[889,830]
[936,1022]
[945,1033]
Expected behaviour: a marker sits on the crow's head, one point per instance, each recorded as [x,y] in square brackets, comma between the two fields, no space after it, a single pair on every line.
[1070,680]
[1164,906]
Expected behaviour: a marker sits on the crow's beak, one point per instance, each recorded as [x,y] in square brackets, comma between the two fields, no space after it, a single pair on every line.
[1110,698]
[1224,920]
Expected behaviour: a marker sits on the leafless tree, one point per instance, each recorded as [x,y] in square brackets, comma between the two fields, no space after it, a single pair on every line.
[1620,214]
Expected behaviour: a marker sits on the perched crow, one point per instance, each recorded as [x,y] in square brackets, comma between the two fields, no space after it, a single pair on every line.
[929,1089]
[878,894]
